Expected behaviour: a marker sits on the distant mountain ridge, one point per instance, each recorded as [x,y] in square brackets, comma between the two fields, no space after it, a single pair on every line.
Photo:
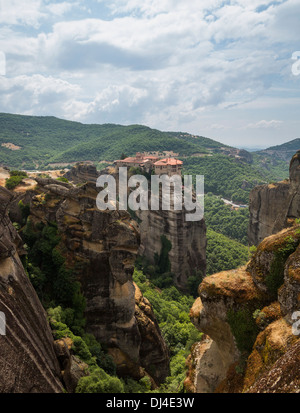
[290,145]
[284,151]
[47,142]
[33,142]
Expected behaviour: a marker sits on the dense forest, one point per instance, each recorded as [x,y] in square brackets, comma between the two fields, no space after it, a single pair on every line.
[232,179]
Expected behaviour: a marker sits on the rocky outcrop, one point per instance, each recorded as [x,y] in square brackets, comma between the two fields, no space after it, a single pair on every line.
[101,247]
[274,206]
[28,363]
[247,316]
[82,172]
[221,296]
[188,239]
[205,367]
[283,376]
[273,342]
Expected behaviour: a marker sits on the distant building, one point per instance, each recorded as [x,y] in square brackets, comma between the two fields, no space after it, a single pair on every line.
[140,160]
[168,166]
[147,163]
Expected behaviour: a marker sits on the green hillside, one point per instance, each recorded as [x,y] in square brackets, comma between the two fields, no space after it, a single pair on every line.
[282,152]
[46,140]
[36,142]
[225,176]
[293,146]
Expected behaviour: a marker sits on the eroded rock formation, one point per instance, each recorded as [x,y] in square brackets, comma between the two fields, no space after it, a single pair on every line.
[283,376]
[274,206]
[82,172]
[101,246]
[188,239]
[248,312]
[28,363]
[219,294]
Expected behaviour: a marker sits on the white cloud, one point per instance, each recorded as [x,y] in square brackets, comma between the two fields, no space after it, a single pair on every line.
[265,124]
[59,9]
[165,63]
[16,12]
[35,94]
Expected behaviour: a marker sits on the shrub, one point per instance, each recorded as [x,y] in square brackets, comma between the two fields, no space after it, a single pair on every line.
[99,382]
[243,328]
[275,277]
[13,181]
[62,179]
[25,211]
[18,173]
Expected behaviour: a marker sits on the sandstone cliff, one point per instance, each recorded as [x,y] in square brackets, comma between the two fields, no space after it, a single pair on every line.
[247,316]
[101,247]
[28,363]
[274,206]
[188,239]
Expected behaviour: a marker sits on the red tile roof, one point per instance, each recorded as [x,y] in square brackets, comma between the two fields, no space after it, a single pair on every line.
[168,161]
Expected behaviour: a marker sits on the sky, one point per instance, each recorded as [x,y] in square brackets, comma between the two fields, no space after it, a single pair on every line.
[227,70]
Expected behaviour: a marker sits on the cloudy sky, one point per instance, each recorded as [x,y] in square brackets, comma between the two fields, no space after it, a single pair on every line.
[222,69]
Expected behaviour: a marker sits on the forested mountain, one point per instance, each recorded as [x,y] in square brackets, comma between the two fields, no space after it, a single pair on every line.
[284,151]
[34,142]
[37,142]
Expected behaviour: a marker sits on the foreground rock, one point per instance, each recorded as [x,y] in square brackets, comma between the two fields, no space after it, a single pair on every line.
[247,316]
[28,363]
[221,295]
[101,246]
[283,376]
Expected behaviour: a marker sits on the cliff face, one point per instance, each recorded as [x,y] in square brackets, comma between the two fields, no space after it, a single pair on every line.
[247,316]
[188,239]
[101,246]
[28,363]
[272,207]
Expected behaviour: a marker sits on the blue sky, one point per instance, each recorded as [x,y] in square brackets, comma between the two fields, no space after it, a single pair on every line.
[221,69]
